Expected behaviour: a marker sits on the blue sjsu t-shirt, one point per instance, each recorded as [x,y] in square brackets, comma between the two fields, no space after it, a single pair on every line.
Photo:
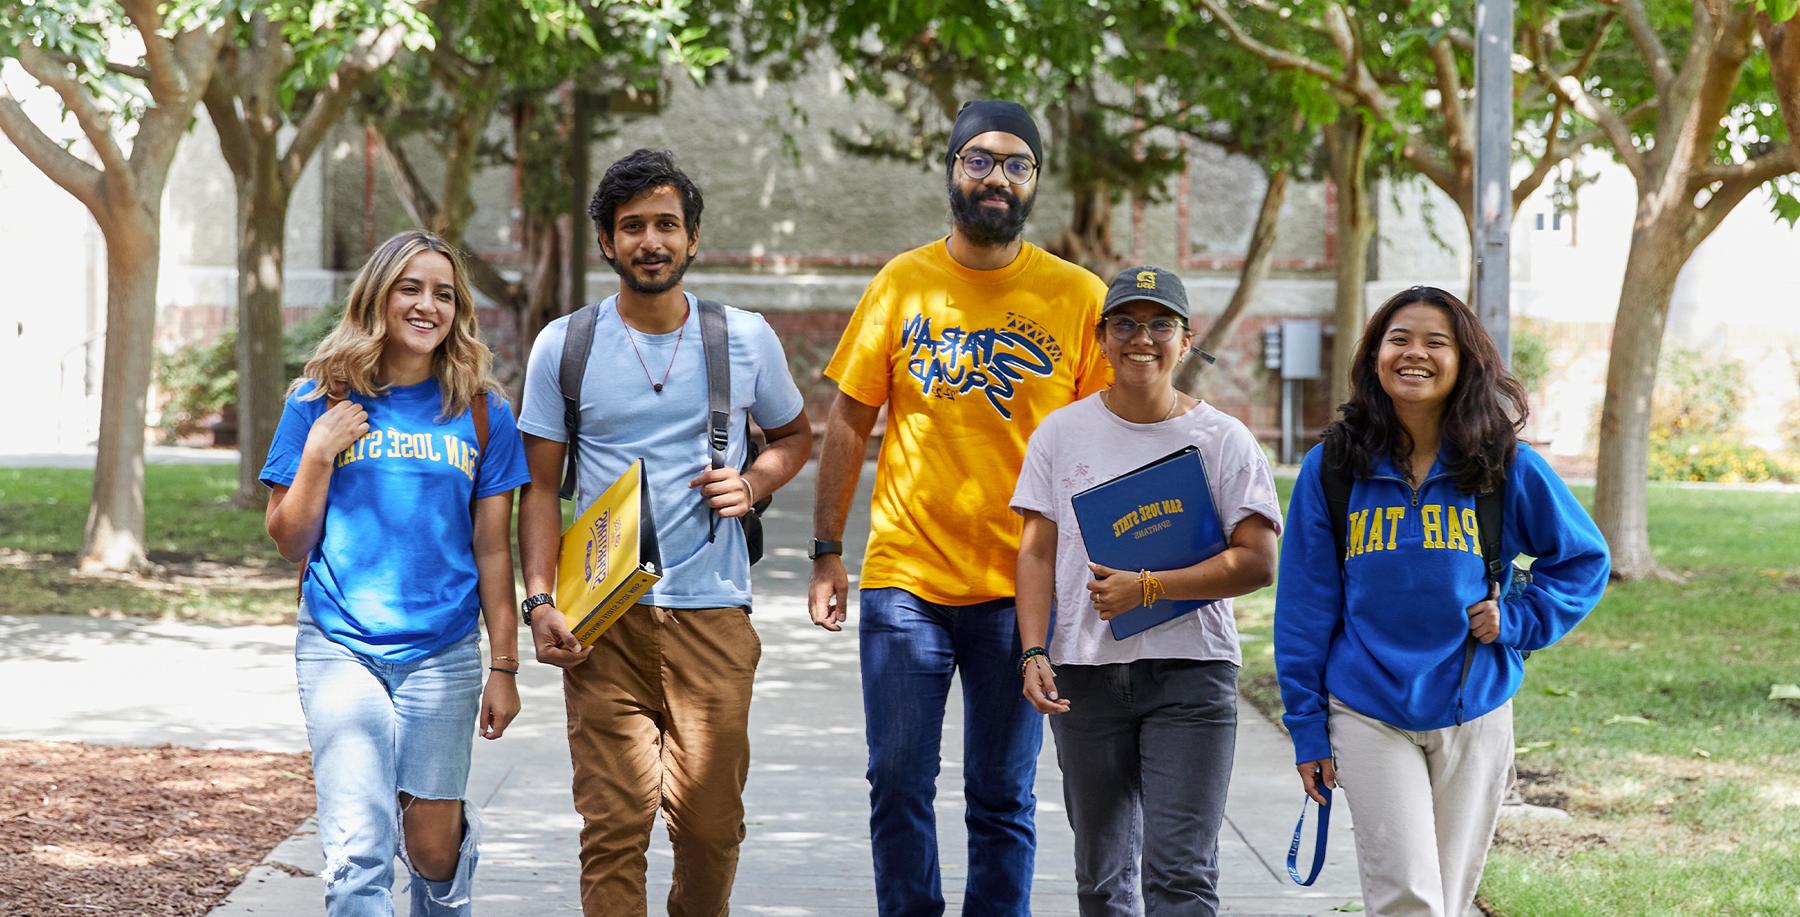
[393,575]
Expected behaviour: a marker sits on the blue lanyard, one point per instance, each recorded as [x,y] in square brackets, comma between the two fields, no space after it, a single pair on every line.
[1293,858]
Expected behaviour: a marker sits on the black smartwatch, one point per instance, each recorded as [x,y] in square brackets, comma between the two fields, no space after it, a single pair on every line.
[531,602]
[821,547]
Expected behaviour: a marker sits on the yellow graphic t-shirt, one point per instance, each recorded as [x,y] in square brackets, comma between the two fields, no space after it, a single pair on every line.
[968,363]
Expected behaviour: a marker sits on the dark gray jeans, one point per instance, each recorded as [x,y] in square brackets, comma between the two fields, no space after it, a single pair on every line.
[1146,751]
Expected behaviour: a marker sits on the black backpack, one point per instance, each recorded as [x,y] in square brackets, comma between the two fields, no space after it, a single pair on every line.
[1490,518]
[715,341]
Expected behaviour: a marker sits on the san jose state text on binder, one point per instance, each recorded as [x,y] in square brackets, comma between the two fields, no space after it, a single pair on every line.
[1158,517]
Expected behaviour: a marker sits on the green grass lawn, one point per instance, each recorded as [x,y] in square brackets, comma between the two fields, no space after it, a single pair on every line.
[218,563]
[1652,726]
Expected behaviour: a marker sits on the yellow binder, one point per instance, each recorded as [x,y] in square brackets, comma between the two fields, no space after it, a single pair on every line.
[608,558]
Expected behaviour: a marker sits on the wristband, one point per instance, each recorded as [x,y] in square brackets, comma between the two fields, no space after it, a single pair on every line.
[1025,658]
[495,668]
[748,490]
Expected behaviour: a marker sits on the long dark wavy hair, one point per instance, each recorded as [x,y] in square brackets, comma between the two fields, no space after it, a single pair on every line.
[1482,419]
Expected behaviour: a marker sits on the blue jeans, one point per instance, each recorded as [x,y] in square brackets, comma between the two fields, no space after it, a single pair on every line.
[910,650]
[378,730]
[1146,752]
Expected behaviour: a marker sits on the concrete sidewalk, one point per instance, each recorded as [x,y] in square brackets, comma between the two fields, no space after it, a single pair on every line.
[807,850]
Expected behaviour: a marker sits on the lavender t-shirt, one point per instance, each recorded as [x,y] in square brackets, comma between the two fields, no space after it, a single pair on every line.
[1085,444]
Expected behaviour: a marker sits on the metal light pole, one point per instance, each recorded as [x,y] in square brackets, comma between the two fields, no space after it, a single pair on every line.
[1493,168]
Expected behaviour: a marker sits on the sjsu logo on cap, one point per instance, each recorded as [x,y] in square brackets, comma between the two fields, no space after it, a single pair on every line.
[1146,280]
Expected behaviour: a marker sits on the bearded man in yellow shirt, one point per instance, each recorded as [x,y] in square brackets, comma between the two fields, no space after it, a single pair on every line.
[970,340]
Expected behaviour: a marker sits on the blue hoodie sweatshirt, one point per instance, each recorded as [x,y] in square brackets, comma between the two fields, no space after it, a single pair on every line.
[1384,632]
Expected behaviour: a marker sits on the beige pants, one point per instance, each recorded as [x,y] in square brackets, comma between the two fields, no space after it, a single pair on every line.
[659,719]
[1424,806]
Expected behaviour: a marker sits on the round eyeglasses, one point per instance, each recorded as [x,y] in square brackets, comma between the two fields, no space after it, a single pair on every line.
[1124,328]
[977,164]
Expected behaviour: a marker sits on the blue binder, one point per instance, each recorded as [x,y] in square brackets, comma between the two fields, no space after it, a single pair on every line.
[1158,517]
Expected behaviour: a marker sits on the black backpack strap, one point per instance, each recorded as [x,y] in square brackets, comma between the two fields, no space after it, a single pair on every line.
[1334,477]
[1490,515]
[715,341]
[478,413]
[578,342]
[1490,518]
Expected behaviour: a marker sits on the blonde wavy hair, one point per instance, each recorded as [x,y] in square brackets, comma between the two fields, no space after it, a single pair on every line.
[349,358]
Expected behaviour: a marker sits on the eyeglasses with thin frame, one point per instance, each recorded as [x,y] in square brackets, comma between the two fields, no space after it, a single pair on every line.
[978,164]
[1124,328]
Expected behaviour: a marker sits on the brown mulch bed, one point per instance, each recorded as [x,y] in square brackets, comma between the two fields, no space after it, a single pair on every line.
[103,829]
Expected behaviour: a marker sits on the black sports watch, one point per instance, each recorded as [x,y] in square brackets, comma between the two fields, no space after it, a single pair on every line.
[821,547]
[531,602]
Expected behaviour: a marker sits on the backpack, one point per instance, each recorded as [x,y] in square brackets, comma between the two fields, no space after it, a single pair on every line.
[715,342]
[1490,518]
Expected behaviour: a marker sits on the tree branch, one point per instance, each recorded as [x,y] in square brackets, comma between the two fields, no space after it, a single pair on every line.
[1744,178]
[1782,40]
[1546,162]
[1450,101]
[415,194]
[372,52]
[59,165]
[1768,166]
[94,125]
[1275,57]
[1656,57]
[221,104]
[167,79]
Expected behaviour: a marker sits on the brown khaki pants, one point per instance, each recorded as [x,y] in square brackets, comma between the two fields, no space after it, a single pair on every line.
[659,718]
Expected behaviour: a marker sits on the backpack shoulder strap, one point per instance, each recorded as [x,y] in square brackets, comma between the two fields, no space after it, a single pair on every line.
[1334,477]
[578,342]
[1490,516]
[715,340]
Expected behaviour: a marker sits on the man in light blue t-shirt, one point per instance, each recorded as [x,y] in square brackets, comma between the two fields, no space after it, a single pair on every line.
[659,706]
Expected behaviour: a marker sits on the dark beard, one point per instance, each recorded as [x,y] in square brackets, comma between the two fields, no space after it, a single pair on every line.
[651,289]
[986,226]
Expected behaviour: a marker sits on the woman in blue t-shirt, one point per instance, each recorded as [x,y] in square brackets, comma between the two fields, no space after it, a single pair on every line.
[1397,657]
[391,478]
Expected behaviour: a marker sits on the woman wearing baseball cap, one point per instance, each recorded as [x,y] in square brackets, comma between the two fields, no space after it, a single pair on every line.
[1146,725]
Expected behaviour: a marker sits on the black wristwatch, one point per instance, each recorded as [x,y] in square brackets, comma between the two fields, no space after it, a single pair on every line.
[821,547]
[531,602]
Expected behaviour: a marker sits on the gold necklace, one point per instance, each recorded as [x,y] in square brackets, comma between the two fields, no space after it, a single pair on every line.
[1174,399]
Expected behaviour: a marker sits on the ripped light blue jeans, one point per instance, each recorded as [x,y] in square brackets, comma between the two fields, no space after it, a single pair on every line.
[378,730]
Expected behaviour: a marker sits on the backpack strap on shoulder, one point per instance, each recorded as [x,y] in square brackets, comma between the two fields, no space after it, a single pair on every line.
[1334,477]
[578,342]
[1490,515]
[715,342]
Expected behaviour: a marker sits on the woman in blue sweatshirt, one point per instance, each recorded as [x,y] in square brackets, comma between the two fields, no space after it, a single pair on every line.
[1397,658]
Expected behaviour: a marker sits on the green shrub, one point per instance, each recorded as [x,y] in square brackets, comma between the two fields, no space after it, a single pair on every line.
[1713,457]
[1530,355]
[1693,424]
[201,379]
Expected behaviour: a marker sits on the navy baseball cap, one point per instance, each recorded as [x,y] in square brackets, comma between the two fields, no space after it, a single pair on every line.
[1147,284]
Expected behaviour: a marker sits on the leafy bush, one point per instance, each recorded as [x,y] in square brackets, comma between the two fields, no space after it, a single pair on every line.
[1713,457]
[1697,393]
[201,379]
[1530,355]
[1693,424]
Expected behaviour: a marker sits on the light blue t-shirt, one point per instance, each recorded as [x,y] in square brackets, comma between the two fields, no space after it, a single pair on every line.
[623,420]
[393,575]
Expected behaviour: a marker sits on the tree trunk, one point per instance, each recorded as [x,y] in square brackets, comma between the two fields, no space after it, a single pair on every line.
[1087,239]
[262,253]
[1347,143]
[1620,509]
[115,523]
[579,233]
[1782,39]
[1255,270]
